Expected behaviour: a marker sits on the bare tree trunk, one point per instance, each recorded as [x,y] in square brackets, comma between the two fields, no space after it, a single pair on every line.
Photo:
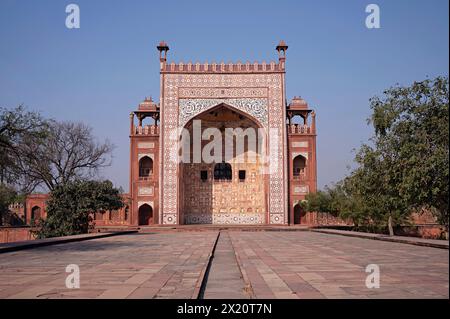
[391,229]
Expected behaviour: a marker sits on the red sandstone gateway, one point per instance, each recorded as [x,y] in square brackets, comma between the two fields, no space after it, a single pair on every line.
[165,191]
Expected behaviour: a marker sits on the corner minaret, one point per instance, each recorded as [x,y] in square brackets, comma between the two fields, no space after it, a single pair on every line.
[144,164]
[282,48]
[163,48]
[301,136]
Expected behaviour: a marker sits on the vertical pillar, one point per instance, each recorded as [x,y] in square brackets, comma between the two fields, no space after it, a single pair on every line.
[131,123]
[313,122]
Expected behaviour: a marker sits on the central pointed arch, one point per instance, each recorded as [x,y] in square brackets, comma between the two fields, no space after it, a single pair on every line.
[206,197]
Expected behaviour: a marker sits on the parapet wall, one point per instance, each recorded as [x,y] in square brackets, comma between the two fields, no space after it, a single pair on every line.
[248,67]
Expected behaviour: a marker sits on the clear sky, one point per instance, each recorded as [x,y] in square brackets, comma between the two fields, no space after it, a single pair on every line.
[99,73]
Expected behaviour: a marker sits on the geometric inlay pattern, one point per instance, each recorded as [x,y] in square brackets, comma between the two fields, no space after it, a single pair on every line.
[171,120]
[227,218]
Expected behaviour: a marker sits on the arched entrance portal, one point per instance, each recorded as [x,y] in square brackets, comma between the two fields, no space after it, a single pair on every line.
[227,184]
[145,215]
[299,215]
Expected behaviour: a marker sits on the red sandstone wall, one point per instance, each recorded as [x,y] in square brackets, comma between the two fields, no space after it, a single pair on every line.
[115,218]
[120,217]
[324,219]
[12,234]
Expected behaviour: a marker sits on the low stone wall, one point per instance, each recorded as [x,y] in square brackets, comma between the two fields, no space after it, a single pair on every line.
[12,234]
[421,231]
[421,225]
[325,219]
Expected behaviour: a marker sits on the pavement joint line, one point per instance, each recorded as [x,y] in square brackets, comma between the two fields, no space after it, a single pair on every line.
[164,283]
[36,243]
[382,238]
[200,286]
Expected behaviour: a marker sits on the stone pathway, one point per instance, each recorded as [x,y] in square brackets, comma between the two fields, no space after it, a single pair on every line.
[317,265]
[129,266]
[263,264]
[224,279]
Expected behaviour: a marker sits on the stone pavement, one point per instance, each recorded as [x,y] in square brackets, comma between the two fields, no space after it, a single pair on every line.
[128,266]
[263,264]
[317,265]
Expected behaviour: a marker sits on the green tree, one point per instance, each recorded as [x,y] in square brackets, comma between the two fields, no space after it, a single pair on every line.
[70,207]
[374,185]
[332,199]
[317,202]
[405,166]
[339,199]
[413,124]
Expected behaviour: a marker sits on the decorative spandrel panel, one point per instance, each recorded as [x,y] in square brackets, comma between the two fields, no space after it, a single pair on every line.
[256,107]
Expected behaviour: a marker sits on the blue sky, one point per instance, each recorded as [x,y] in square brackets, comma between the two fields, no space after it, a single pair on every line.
[99,73]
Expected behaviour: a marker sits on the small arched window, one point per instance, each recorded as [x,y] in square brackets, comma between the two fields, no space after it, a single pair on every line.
[222,171]
[145,167]
[299,165]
